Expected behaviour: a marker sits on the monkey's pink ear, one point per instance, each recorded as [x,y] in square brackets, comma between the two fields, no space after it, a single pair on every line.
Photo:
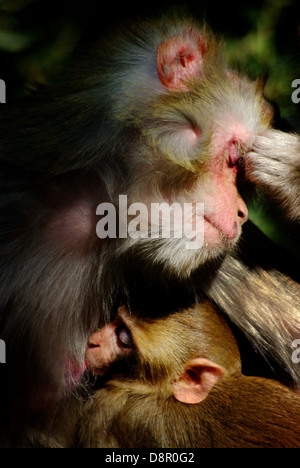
[180,58]
[196,382]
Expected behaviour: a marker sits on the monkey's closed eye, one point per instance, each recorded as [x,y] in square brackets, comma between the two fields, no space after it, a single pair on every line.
[124,337]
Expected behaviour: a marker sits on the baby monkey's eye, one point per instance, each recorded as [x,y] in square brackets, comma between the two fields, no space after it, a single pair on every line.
[124,337]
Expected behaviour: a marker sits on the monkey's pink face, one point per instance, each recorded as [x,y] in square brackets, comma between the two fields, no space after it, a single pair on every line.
[224,209]
[211,210]
[107,345]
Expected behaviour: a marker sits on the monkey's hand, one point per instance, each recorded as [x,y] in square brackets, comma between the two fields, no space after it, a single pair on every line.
[274,165]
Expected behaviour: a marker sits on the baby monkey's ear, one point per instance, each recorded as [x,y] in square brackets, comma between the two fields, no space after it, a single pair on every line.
[198,379]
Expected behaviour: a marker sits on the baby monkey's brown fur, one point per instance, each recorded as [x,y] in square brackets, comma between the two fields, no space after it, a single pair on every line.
[140,408]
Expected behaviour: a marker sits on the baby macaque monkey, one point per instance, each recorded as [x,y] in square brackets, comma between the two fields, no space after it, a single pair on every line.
[184,388]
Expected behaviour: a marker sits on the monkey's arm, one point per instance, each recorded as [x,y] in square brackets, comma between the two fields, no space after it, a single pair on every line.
[274,165]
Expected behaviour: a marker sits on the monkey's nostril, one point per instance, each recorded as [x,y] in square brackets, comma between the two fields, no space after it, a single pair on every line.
[92,345]
[242,215]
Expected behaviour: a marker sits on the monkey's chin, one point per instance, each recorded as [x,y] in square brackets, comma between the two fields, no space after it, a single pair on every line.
[173,256]
[216,240]
[184,262]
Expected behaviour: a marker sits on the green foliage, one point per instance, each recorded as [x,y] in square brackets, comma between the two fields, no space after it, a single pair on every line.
[272,45]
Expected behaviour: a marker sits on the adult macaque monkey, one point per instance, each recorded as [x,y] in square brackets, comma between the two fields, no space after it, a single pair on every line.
[182,387]
[153,113]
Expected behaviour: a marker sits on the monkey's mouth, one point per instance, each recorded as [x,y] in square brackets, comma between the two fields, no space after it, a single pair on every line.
[215,236]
